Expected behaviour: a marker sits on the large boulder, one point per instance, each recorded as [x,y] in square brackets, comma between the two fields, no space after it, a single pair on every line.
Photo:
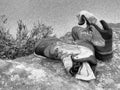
[33,73]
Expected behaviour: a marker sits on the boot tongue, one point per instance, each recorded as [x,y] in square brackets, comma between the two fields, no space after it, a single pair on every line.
[85,72]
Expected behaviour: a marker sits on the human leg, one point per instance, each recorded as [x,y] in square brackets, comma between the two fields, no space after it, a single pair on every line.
[102,35]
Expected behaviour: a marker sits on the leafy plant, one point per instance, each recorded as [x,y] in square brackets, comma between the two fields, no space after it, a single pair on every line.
[25,41]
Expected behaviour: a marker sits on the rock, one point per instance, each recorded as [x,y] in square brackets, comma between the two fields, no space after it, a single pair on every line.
[118,86]
[109,81]
[31,73]
[119,66]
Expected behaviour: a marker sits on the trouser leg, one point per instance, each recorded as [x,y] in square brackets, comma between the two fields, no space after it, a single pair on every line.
[51,48]
[75,33]
[83,34]
[58,50]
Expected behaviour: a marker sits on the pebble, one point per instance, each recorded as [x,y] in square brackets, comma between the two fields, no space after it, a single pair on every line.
[109,81]
[119,66]
[118,86]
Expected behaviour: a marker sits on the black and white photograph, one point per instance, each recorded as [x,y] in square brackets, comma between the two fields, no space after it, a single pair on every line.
[59,44]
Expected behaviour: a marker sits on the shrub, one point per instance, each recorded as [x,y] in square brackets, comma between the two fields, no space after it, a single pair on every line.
[25,41]
[6,39]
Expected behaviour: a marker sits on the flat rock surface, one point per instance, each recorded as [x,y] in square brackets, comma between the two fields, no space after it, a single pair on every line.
[38,73]
[32,73]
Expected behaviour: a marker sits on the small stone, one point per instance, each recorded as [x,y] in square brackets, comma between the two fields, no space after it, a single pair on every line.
[15,77]
[119,66]
[118,86]
[3,65]
[99,88]
[99,85]
[109,81]
[37,74]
